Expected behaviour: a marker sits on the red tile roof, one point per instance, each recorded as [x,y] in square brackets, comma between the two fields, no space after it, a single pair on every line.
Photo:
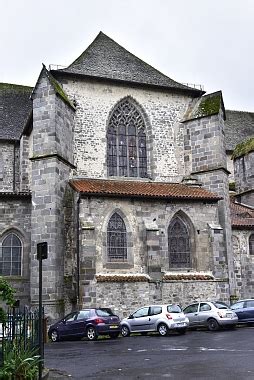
[142,189]
[242,217]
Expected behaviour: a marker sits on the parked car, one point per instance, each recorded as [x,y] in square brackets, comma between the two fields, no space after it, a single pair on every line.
[160,318]
[88,323]
[212,315]
[244,310]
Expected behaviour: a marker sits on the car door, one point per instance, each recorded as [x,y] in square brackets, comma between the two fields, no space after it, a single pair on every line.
[249,311]
[65,326]
[79,323]
[154,315]
[191,312]
[204,313]
[140,320]
[238,308]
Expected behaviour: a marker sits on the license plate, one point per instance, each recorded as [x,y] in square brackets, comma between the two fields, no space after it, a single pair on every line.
[180,324]
[113,327]
[229,315]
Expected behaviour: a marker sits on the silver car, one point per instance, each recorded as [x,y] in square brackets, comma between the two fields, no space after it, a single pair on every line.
[212,315]
[160,318]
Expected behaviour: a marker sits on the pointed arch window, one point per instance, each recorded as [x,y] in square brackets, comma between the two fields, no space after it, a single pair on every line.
[10,258]
[116,239]
[251,244]
[178,244]
[126,142]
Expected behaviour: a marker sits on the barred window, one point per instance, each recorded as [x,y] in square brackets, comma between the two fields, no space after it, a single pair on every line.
[178,244]
[10,258]
[126,142]
[116,239]
[251,244]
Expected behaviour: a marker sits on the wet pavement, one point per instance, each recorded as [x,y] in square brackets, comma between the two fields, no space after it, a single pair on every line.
[196,355]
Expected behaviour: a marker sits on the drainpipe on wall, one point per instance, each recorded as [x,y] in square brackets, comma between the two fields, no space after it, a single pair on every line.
[77,250]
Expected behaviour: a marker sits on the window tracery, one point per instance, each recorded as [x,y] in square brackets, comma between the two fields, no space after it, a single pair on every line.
[178,244]
[126,142]
[116,239]
[251,244]
[10,259]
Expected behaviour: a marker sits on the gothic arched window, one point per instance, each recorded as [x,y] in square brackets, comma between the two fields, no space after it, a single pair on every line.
[251,244]
[116,239]
[178,244]
[10,258]
[126,142]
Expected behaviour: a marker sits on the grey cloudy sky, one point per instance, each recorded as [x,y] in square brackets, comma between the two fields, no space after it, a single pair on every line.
[208,42]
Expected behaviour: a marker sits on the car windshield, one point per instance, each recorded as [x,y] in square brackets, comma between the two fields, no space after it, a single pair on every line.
[220,305]
[174,309]
[104,312]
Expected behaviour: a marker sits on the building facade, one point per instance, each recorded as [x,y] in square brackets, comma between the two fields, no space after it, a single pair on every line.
[124,173]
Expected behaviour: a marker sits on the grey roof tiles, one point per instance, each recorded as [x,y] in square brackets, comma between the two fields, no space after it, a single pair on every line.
[105,58]
[15,107]
[239,126]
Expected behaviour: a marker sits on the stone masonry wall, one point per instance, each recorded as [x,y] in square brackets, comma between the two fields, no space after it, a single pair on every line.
[161,110]
[6,166]
[51,169]
[138,215]
[244,178]
[15,216]
[243,264]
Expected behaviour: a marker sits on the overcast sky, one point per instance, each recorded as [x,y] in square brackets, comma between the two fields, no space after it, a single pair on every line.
[208,42]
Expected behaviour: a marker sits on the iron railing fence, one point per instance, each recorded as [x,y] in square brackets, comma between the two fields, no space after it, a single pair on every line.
[21,330]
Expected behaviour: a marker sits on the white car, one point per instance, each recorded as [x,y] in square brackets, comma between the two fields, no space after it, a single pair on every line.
[212,315]
[160,318]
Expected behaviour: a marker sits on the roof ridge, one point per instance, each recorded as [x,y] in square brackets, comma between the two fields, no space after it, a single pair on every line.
[14,85]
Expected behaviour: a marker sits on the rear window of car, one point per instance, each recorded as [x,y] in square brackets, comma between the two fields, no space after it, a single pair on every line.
[174,309]
[220,305]
[104,312]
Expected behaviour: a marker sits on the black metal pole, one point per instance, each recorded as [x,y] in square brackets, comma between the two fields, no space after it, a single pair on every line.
[40,318]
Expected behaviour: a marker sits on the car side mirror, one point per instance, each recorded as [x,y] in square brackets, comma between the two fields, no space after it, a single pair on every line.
[64,321]
[130,316]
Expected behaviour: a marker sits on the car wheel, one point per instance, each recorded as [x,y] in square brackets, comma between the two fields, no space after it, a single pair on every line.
[212,325]
[54,336]
[181,331]
[91,333]
[114,335]
[125,331]
[163,329]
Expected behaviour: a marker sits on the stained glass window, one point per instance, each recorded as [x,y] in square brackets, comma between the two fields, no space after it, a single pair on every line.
[10,258]
[126,142]
[251,244]
[179,244]
[116,239]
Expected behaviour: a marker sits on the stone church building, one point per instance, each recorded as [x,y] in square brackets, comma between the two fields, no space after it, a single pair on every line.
[142,187]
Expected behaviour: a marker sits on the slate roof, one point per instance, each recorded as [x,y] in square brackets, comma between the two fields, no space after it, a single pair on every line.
[239,126]
[105,58]
[242,217]
[142,189]
[15,108]
[207,105]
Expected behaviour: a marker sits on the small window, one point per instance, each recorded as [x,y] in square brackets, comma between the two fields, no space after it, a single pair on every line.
[141,312]
[71,317]
[116,239]
[204,307]
[191,309]
[251,244]
[154,310]
[174,309]
[84,314]
[238,305]
[104,312]
[10,258]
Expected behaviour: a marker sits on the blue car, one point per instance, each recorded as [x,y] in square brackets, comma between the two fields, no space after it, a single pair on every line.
[88,323]
[244,310]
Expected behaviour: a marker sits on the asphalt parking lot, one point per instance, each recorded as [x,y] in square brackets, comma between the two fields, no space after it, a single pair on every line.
[197,355]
